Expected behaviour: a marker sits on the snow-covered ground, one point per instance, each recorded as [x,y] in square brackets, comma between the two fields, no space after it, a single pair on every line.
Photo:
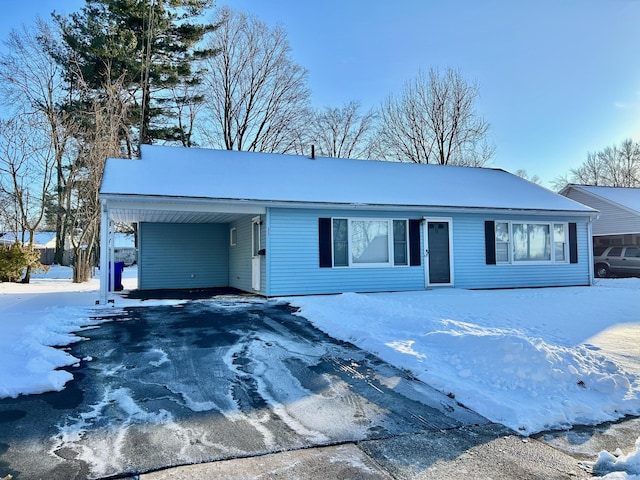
[532,359]
[44,314]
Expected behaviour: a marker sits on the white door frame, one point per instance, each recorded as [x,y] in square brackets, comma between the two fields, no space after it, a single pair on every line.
[256,222]
[425,230]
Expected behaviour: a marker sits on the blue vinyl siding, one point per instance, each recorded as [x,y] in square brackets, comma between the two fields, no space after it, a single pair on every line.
[183,255]
[200,256]
[471,271]
[240,256]
[293,257]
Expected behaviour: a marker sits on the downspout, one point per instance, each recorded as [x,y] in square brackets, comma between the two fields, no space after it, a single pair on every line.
[112,258]
[105,235]
[424,251]
[267,257]
[590,242]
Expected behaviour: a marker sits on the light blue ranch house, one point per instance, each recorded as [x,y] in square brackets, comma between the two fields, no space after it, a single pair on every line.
[275,224]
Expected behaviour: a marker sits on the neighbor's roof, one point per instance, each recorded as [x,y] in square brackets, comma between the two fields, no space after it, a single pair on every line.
[40,239]
[266,177]
[624,196]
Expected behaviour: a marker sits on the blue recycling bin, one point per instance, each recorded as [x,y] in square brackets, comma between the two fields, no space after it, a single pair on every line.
[117,276]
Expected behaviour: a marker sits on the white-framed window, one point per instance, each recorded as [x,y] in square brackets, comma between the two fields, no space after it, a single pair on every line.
[503,243]
[560,242]
[233,237]
[340,234]
[401,242]
[531,242]
[370,242]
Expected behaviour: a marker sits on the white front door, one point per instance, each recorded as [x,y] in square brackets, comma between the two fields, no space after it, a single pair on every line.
[438,256]
[255,253]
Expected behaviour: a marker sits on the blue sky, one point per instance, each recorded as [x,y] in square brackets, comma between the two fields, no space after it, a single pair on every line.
[557,78]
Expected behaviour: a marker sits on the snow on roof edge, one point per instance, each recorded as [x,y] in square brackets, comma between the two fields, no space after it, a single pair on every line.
[598,190]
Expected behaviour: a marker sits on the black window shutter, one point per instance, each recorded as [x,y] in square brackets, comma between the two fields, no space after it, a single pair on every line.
[490,241]
[573,243]
[414,243]
[324,242]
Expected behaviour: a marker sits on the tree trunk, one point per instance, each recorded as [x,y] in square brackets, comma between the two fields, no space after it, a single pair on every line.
[27,275]
[82,267]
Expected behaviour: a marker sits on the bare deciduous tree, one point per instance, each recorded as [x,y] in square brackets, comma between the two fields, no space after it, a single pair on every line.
[522,173]
[590,172]
[98,139]
[26,169]
[434,121]
[31,83]
[342,132]
[613,166]
[255,95]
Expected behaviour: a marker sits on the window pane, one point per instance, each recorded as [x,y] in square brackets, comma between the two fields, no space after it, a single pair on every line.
[400,242]
[369,241]
[502,242]
[256,238]
[615,252]
[531,242]
[502,232]
[632,252]
[400,254]
[399,230]
[340,242]
[502,252]
[559,242]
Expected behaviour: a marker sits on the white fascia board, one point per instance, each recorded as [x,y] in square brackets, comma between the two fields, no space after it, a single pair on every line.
[179,204]
[427,209]
[242,206]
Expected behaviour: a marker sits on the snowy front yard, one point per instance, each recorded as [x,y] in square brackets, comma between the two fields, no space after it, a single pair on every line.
[533,359]
[530,359]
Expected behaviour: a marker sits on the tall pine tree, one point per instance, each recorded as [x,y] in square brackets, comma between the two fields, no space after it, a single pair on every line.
[149,46]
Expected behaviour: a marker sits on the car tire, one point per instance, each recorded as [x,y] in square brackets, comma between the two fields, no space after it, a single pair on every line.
[602,271]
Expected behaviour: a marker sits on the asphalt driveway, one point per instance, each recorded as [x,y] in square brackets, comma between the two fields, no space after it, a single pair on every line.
[210,380]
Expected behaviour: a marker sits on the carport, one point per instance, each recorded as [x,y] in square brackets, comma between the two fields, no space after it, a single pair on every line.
[172,252]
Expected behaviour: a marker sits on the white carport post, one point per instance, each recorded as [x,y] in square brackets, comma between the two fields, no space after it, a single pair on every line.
[106,254]
[590,251]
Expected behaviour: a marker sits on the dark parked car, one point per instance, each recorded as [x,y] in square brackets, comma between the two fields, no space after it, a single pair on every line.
[617,260]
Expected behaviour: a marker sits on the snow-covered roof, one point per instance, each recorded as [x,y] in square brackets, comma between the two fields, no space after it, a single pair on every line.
[40,239]
[48,239]
[623,196]
[276,178]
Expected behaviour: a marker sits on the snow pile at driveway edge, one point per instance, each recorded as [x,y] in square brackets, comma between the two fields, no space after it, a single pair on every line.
[33,361]
[617,466]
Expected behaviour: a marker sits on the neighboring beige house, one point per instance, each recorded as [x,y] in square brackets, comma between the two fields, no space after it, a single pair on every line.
[619,207]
